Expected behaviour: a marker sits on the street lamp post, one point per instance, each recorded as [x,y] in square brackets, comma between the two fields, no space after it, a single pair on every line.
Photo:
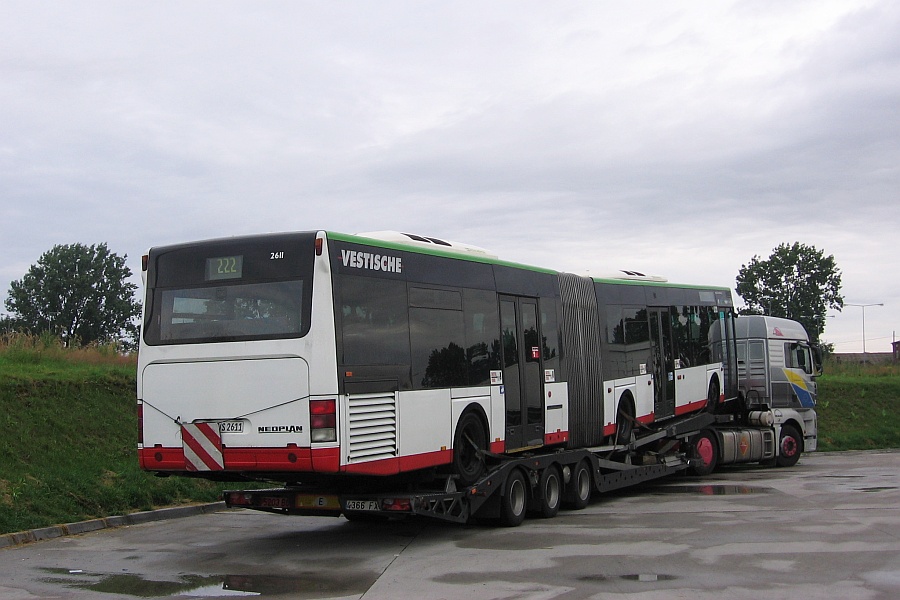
[863,307]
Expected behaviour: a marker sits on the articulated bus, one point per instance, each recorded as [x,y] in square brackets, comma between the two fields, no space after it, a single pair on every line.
[321,356]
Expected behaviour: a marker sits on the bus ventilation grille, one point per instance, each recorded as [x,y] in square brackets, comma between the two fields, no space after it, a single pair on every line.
[373,427]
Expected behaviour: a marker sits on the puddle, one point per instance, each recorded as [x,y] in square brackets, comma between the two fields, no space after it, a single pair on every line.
[648,577]
[710,490]
[306,585]
[642,577]
[876,489]
[129,584]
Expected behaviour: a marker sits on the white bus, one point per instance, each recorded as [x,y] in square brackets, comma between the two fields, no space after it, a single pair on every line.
[320,356]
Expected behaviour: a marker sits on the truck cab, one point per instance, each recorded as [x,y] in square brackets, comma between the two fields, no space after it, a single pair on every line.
[777,370]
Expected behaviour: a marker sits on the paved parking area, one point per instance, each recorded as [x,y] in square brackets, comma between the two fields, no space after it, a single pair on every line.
[827,528]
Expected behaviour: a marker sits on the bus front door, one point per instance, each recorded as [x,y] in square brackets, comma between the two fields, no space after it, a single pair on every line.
[522,380]
[663,363]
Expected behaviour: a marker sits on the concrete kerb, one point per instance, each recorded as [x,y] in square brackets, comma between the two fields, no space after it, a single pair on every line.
[47,533]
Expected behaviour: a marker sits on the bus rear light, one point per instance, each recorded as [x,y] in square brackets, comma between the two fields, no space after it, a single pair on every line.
[319,245]
[323,420]
[323,435]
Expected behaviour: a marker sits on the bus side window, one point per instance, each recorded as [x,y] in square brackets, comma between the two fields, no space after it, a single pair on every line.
[375,324]
[482,335]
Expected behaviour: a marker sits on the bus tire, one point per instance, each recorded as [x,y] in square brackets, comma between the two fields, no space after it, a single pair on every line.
[550,492]
[790,446]
[469,444]
[624,419]
[580,486]
[712,397]
[514,501]
[704,453]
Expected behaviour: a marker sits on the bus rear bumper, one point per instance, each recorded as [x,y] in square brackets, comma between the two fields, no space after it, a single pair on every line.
[287,459]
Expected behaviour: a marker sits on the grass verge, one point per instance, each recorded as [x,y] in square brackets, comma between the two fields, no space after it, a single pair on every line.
[68,439]
[859,407]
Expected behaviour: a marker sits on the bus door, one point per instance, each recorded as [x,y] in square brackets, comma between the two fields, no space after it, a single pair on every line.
[663,360]
[522,372]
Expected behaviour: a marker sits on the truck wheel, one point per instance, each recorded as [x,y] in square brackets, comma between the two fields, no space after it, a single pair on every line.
[550,490]
[704,453]
[790,447]
[514,501]
[468,444]
[578,490]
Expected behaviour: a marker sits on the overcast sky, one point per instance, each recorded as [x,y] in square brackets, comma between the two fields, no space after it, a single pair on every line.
[675,138]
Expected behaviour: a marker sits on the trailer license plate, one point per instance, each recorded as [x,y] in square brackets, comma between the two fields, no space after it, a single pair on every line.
[274,502]
[231,427]
[361,505]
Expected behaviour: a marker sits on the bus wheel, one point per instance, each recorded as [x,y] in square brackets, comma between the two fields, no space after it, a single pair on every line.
[469,443]
[624,419]
[514,501]
[550,491]
[712,398]
[704,453]
[790,447]
[578,490]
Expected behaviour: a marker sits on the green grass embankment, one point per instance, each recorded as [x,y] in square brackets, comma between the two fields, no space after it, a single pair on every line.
[68,440]
[859,407]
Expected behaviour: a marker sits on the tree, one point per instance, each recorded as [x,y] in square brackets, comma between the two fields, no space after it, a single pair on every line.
[79,293]
[796,282]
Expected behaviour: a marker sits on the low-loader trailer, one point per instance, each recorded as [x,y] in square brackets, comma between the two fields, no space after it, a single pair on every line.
[539,483]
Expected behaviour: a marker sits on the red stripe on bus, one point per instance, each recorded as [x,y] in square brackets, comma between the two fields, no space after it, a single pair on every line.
[558,437]
[690,407]
[393,466]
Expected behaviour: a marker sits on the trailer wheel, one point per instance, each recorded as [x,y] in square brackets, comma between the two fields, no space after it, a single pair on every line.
[468,445]
[514,502]
[790,447]
[704,453]
[578,490]
[550,491]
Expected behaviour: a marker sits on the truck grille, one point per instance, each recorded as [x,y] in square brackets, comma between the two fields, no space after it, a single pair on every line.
[373,427]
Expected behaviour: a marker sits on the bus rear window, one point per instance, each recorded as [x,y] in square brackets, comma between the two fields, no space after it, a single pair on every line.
[227,313]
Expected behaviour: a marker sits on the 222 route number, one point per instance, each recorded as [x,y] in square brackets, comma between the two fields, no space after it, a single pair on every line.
[227,265]
[224,267]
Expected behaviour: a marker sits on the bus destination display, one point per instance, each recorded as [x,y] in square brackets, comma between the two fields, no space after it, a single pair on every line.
[224,267]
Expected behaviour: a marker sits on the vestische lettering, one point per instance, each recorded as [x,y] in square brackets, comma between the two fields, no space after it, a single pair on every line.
[372,262]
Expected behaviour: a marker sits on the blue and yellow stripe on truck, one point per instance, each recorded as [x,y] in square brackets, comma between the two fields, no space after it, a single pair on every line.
[800,388]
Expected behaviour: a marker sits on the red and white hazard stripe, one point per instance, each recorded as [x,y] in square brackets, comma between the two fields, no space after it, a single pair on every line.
[202,446]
